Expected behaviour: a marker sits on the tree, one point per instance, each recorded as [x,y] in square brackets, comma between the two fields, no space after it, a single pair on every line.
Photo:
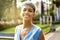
[57,2]
[5,10]
[23,0]
[4,5]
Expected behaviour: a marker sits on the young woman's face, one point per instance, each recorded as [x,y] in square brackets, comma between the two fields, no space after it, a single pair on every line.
[27,12]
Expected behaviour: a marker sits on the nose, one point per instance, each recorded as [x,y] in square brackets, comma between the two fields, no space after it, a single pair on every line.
[26,12]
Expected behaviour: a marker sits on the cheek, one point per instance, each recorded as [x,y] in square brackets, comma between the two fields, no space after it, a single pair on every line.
[32,15]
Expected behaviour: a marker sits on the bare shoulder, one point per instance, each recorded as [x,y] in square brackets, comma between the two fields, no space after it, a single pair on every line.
[41,36]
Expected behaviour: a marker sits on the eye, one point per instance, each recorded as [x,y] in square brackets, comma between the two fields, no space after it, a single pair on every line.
[30,10]
[24,9]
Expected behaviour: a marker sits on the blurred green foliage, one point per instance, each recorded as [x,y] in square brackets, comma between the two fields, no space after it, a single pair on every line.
[36,17]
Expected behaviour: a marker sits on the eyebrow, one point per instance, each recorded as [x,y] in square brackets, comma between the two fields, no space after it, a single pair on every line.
[31,7]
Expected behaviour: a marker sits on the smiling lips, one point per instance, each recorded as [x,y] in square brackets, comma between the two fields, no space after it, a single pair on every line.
[26,16]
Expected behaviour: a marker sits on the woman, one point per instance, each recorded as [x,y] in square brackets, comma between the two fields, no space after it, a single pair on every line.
[28,31]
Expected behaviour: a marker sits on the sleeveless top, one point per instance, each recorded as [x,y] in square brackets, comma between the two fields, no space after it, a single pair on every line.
[33,34]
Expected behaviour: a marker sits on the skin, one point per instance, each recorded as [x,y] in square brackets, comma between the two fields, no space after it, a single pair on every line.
[41,36]
[27,14]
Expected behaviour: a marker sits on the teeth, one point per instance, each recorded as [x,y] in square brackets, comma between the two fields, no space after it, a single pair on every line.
[25,16]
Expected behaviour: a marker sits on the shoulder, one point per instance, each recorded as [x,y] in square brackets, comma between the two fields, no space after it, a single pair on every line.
[18,27]
[37,27]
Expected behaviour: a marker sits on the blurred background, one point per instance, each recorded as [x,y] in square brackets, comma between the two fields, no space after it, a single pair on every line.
[47,16]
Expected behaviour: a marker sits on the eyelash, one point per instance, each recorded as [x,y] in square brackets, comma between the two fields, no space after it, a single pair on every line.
[30,10]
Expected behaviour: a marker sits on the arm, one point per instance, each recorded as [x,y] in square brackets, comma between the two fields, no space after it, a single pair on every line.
[41,36]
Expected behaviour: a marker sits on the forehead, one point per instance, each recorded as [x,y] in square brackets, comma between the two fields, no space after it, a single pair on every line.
[27,7]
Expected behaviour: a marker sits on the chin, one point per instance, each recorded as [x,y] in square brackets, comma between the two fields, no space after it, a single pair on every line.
[26,19]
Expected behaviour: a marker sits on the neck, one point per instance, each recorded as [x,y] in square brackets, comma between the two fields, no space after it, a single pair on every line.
[27,24]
